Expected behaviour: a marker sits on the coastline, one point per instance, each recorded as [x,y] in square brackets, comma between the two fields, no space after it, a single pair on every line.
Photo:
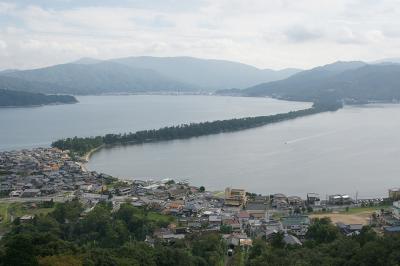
[86,157]
[36,105]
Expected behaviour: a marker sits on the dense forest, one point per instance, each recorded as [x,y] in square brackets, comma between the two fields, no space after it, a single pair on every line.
[81,146]
[20,98]
[102,237]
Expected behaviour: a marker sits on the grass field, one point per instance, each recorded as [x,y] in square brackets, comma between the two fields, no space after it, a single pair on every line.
[17,209]
[157,217]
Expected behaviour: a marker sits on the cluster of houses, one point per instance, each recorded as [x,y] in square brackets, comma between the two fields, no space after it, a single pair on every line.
[239,215]
[44,171]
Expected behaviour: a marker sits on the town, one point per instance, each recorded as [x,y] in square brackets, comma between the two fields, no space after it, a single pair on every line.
[43,175]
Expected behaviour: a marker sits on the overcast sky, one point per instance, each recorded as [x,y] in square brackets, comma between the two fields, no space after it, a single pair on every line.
[265,33]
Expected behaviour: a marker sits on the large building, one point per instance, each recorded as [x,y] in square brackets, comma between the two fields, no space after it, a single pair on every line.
[338,199]
[394,193]
[235,197]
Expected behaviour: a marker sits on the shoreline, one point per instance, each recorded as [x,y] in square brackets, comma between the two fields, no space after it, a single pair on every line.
[36,105]
[87,156]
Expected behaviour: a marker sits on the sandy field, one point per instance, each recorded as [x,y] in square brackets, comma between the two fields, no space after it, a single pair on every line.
[356,218]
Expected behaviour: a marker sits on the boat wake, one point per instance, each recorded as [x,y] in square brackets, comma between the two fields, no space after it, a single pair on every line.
[311,137]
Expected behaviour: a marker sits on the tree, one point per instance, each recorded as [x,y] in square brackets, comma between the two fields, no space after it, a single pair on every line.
[225,229]
[202,189]
[322,231]
[60,260]
[209,247]
[20,251]
[277,240]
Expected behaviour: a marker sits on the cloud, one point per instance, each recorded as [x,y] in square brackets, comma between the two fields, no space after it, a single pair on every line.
[268,34]
[301,34]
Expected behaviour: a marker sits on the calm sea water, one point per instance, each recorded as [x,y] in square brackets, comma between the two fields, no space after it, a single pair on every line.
[99,115]
[356,149]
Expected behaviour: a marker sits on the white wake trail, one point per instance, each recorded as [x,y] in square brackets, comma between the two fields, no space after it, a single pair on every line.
[311,137]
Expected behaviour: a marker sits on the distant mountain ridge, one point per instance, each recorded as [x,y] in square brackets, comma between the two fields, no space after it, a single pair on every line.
[208,74]
[97,78]
[18,84]
[142,74]
[355,81]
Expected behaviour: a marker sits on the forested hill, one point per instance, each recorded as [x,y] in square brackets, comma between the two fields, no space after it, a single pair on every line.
[10,98]
[355,82]
[141,75]
[81,146]
[97,78]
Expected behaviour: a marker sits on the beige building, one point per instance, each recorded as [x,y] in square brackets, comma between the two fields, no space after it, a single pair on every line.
[394,194]
[235,197]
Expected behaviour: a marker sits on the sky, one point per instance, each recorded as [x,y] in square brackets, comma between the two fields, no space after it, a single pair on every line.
[265,33]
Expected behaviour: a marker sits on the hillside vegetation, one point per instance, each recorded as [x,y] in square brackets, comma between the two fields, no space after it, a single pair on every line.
[105,237]
[19,98]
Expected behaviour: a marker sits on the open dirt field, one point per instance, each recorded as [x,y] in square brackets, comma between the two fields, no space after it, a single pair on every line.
[346,218]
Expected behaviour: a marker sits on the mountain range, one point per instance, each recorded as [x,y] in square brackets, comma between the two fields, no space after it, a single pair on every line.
[354,82]
[139,74]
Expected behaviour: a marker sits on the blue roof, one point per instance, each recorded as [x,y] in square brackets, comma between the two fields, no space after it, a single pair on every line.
[392,229]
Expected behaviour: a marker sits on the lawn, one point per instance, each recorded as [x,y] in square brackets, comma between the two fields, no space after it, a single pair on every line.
[18,209]
[157,217]
[356,210]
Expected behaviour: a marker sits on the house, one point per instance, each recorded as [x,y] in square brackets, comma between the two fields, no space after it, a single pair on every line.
[295,201]
[233,223]
[255,228]
[349,229]
[235,239]
[257,209]
[214,220]
[291,240]
[167,235]
[246,242]
[177,193]
[171,237]
[26,218]
[313,199]
[15,193]
[279,196]
[296,224]
[235,197]
[396,210]
[280,204]
[124,191]
[30,193]
[174,207]
[391,230]
[279,201]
